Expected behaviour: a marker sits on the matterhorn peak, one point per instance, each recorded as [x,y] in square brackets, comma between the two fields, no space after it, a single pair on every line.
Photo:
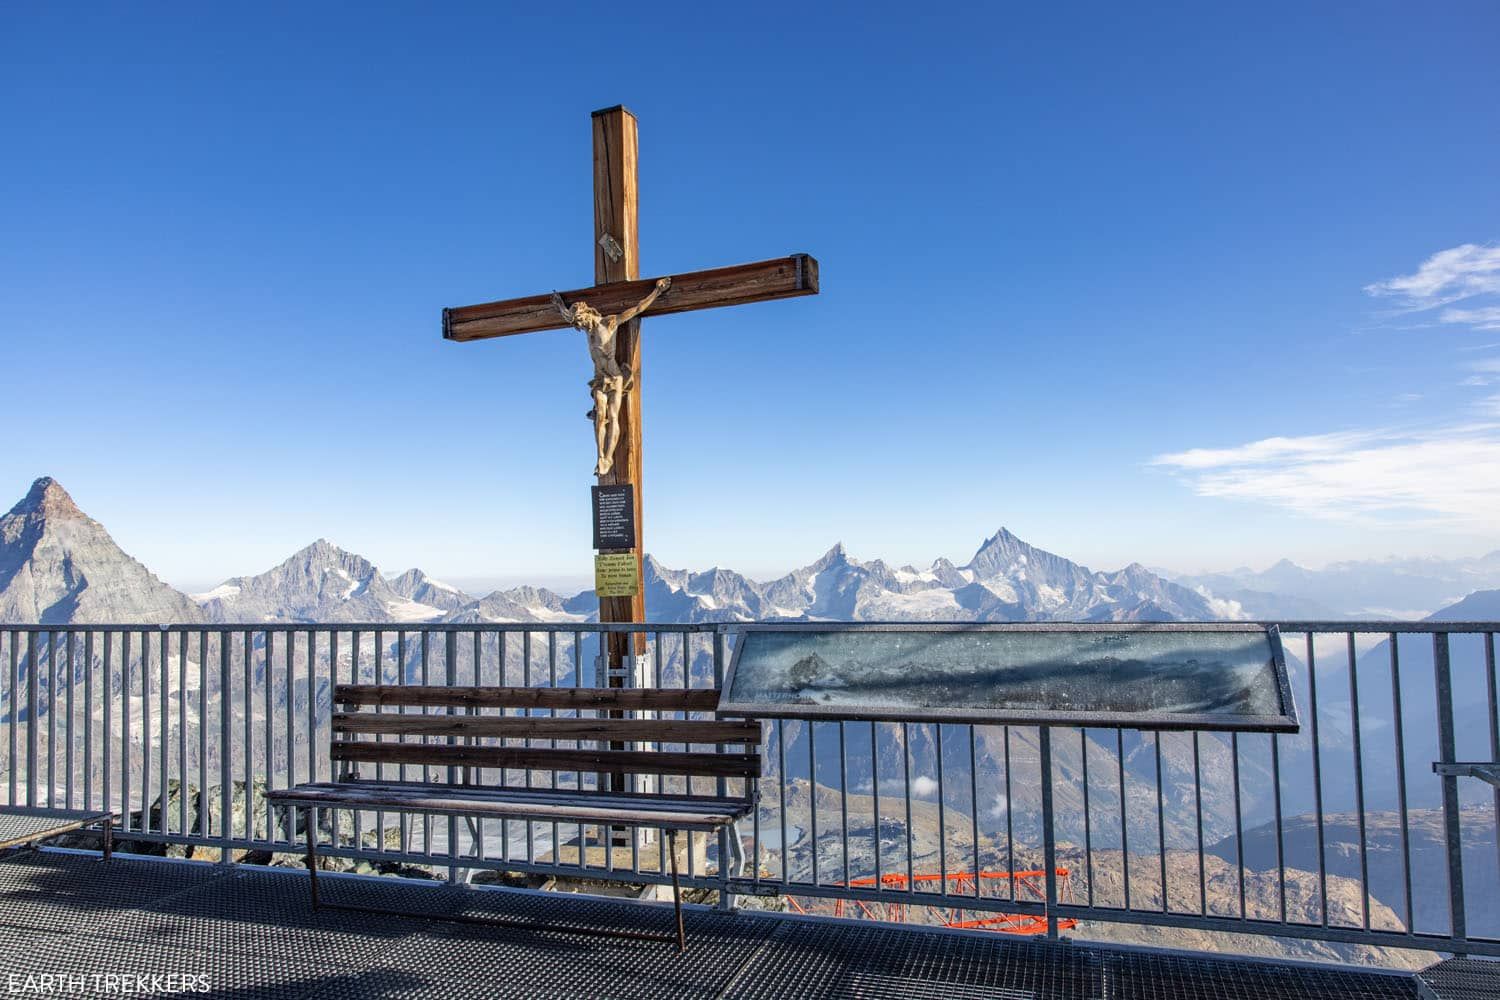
[48,498]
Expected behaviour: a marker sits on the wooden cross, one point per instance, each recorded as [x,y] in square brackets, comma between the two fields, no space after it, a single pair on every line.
[617,287]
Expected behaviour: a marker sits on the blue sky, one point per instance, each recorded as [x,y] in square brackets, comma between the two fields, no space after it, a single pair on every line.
[1165,286]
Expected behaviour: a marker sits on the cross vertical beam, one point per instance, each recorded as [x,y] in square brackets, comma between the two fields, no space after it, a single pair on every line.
[617,258]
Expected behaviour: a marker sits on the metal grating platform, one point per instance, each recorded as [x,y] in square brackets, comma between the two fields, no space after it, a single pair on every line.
[1461,979]
[252,932]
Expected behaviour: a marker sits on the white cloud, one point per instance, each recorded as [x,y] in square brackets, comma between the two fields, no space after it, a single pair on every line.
[1443,478]
[923,786]
[1484,318]
[1486,372]
[1451,275]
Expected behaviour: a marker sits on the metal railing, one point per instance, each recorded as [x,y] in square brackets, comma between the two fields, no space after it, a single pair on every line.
[1339,833]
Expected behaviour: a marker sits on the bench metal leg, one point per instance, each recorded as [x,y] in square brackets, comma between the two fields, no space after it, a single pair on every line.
[310,820]
[676,891]
[109,838]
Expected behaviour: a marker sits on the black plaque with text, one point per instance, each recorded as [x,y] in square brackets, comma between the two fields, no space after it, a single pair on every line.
[614,517]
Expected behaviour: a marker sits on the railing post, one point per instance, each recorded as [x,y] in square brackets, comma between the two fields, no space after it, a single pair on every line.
[31,718]
[450,677]
[1049,833]
[226,795]
[726,900]
[1447,751]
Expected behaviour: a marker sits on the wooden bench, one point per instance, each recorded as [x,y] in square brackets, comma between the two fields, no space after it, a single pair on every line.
[473,742]
[27,826]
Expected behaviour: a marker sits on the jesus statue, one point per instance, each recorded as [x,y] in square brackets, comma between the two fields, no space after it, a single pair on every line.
[610,381]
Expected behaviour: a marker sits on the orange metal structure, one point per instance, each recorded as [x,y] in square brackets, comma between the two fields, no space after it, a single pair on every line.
[1022,885]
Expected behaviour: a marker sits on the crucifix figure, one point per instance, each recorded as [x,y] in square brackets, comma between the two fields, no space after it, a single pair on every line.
[609,313]
[610,382]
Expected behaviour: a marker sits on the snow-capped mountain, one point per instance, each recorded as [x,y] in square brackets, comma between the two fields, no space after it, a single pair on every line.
[521,604]
[58,565]
[1370,588]
[320,583]
[416,586]
[1006,580]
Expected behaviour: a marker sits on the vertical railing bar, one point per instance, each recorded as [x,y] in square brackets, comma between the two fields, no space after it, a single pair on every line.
[404,820]
[526,682]
[1490,684]
[974,802]
[781,794]
[942,814]
[1010,833]
[182,744]
[52,719]
[1198,812]
[450,677]
[1088,832]
[226,773]
[106,735]
[875,798]
[88,720]
[844,795]
[166,724]
[476,775]
[15,716]
[812,795]
[1124,814]
[125,731]
[1239,824]
[1161,821]
[1317,769]
[312,718]
[911,864]
[1399,728]
[247,644]
[426,770]
[687,682]
[1280,834]
[291,725]
[1359,787]
[333,706]
[1049,832]
[1447,743]
[379,677]
[552,775]
[500,682]
[145,731]
[578,679]
[68,737]
[270,738]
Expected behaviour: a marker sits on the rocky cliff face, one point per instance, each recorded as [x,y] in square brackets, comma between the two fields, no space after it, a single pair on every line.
[58,565]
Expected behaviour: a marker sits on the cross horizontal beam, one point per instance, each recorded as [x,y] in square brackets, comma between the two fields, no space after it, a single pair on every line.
[782,278]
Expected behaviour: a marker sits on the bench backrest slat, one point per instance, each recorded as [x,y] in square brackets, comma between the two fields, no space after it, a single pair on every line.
[560,698]
[545,728]
[714,765]
[450,727]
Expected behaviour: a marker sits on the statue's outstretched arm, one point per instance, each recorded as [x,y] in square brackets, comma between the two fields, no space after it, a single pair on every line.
[662,285]
[562,307]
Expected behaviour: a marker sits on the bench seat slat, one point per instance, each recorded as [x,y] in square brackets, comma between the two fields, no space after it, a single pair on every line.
[600,699]
[711,765]
[538,727]
[564,806]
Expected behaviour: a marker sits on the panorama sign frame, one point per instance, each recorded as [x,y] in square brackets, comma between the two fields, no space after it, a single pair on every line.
[1271,707]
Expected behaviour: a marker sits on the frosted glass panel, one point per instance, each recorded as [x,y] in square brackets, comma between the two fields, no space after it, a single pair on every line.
[1176,678]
